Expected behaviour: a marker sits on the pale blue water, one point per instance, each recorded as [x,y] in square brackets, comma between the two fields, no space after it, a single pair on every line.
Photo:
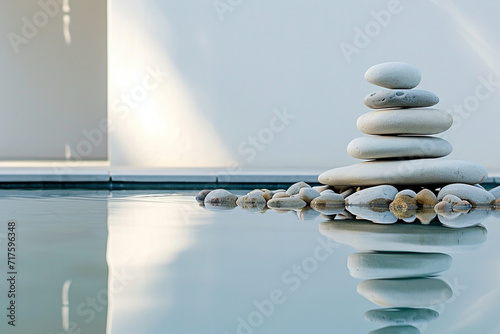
[157,262]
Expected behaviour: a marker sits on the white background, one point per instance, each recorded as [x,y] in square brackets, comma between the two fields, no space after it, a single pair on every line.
[227,75]
[228,70]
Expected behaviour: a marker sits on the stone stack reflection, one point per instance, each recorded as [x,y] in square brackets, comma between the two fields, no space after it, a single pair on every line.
[399,265]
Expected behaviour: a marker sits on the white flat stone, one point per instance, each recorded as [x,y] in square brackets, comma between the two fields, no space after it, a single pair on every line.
[443,207]
[462,206]
[346,215]
[320,189]
[329,212]
[281,195]
[413,292]
[252,200]
[417,121]
[383,147]
[407,192]
[220,207]
[405,172]
[348,192]
[397,265]
[373,196]
[403,329]
[329,192]
[377,215]
[401,98]
[401,316]
[307,213]
[394,75]
[220,198]
[327,202]
[286,203]
[495,192]
[308,194]
[471,218]
[364,235]
[200,197]
[295,188]
[410,219]
[267,194]
[452,199]
[473,194]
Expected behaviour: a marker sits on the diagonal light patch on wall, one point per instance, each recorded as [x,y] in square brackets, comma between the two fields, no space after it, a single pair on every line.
[166,129]
[472,34]
[480,310]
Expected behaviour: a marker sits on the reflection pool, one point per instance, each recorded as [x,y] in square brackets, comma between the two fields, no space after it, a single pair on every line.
[157,262]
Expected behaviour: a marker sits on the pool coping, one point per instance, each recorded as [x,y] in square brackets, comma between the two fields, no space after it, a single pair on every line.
[106,177]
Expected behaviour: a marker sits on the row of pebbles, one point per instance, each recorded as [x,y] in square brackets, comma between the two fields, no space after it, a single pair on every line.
[383,204]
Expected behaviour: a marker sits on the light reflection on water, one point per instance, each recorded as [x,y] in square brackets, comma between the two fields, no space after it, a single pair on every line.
[139,262]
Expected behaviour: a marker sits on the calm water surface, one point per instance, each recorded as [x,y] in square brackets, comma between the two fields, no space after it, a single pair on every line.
[157,262]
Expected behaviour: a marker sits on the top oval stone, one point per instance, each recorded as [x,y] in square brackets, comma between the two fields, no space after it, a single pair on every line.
[394,75]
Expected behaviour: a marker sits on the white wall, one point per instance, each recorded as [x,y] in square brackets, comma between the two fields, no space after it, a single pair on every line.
[225,77]
[196,85]
[53,80]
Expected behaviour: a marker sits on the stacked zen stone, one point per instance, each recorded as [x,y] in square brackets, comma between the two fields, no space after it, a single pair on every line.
[400,144]
[394,130]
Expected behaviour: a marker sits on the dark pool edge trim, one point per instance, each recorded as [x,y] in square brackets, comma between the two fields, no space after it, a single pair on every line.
[142,185]
[119,185]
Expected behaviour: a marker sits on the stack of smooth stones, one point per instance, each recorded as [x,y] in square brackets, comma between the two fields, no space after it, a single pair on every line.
[400,141]
[404,157]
